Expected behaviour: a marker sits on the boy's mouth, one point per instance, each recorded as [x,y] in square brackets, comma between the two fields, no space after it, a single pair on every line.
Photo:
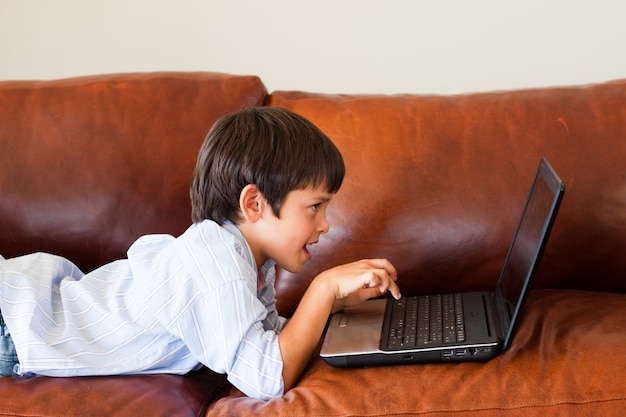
[307,253]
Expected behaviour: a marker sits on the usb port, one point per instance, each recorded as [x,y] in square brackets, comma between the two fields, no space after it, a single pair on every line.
[460,352]
[447,353]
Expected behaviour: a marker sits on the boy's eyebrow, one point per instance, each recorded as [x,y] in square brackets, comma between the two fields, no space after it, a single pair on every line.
[323,199]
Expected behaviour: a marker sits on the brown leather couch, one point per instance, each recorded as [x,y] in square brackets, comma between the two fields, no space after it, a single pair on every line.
[434,183]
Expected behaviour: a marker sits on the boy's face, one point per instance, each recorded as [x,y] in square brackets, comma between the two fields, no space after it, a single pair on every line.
[302,221]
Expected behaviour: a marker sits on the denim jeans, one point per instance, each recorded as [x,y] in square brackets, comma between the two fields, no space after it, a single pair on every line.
[8,356]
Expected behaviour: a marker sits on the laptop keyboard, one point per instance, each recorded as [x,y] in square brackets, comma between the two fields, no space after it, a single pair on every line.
[426,320]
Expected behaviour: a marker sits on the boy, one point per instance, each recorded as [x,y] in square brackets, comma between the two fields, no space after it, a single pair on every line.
[260,190]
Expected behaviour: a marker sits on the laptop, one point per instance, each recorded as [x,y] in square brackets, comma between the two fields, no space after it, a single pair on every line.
[472,326]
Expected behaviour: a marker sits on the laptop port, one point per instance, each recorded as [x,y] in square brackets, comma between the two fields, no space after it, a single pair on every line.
[460,352]
[447,353]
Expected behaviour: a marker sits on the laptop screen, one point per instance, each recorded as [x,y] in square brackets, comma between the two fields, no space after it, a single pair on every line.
[527,246]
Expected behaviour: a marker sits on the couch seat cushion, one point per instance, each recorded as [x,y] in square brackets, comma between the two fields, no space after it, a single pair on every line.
[147,395]
[565,360]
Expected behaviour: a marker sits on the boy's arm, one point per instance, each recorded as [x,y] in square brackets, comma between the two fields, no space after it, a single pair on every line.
[357,281]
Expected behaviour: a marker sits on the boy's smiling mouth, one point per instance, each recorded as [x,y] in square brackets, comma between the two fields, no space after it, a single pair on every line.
[307,253]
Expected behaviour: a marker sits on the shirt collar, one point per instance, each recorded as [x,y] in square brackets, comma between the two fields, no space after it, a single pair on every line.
[245,250]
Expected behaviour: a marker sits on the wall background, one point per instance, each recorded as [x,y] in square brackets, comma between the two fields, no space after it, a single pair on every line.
[330,46]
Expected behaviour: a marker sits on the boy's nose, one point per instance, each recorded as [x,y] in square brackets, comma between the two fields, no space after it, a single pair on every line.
[323,226]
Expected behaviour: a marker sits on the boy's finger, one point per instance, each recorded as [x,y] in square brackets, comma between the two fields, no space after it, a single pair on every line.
[384,264]
[395,291]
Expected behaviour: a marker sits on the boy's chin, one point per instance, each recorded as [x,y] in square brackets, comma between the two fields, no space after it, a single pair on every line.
[293,269]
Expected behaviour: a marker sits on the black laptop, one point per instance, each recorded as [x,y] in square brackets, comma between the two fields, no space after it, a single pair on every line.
[473,326]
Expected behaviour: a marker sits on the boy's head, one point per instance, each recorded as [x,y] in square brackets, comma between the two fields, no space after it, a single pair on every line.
[275,149]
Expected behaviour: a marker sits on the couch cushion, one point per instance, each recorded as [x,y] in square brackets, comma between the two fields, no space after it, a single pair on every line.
[437,184]
[565,360]
[91,163]
[151,395]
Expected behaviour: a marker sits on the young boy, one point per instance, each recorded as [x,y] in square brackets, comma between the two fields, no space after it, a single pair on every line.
[260,190]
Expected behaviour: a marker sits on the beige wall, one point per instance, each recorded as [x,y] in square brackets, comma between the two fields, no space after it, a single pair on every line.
[334,46]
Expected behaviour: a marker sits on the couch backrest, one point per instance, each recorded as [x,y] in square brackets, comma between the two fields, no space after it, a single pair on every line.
[437,184]
[434,183]
[89,164]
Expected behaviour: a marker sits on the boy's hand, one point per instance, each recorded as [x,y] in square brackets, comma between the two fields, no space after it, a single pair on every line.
[331,290]
[356,282]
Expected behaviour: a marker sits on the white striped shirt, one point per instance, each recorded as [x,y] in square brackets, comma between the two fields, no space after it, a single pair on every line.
[173,305]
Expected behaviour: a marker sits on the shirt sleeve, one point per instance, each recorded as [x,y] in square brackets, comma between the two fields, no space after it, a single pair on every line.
[203,291]
[233,340]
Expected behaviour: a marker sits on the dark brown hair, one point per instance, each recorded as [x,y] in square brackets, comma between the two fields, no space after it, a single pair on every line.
[274,148]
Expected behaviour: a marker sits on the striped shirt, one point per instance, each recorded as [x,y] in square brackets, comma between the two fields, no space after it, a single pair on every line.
[175,304]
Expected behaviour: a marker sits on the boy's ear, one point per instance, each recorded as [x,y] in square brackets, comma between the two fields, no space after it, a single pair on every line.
[251,203]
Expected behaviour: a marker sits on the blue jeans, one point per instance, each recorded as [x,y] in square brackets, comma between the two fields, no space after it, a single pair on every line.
[8,356]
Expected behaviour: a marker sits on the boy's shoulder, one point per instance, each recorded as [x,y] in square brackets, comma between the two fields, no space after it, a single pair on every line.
[208,235]
[205,249]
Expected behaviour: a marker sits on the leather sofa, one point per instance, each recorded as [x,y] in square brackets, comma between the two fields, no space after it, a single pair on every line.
[434,183]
